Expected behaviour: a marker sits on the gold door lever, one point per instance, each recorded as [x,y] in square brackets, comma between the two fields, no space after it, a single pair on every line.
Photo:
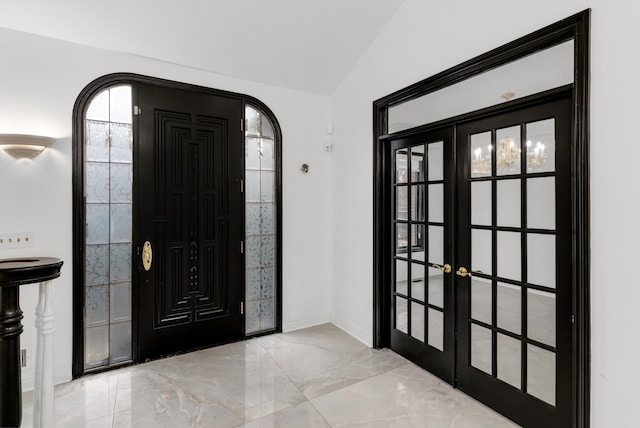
[446,268]
[462,271]
[147,256]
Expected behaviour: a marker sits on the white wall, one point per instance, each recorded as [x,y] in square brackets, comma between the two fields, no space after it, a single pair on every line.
[424,38]
[40,79]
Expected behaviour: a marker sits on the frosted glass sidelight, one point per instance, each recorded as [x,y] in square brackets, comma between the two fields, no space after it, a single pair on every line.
[96,264]
[401,315]
[96,141]
[481,348]
[436,329]
[97,182]
[417,321]
[481,154]
[99,107]
[541,259]
[96,346]
[481,251]
[435,160]
[97,305]
[509,360]
[541,374]
[481,203]
[509,261]
[541,146]
[120,342]
[108,180]
[120,304]
[508,150]
[260,222]
[120,104]
[509,307]
[508,199]
[541,203]
[121,143]
[481,300]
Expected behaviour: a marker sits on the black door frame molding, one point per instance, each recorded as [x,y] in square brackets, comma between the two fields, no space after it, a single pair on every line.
[79,109]
[576,27]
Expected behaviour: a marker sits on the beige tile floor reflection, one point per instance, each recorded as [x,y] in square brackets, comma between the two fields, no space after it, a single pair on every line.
[316,377]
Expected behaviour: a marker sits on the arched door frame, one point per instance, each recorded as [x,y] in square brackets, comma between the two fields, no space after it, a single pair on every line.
[79,110]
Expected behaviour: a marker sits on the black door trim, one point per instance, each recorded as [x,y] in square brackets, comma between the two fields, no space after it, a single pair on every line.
[79,109]
[576,27]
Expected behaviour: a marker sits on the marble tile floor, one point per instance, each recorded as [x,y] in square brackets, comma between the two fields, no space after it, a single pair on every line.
[316,377]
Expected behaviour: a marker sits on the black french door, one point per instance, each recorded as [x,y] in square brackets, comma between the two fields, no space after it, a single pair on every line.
[422,250]
[188,223]
[481,264]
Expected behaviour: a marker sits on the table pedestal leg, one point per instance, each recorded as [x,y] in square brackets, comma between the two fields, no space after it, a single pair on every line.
[10,329]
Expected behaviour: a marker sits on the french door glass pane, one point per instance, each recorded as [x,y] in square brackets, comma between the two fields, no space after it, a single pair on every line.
[508,150]
[402,272]
[541,259]
[541,146]
[541,317]
[436,287]
[401,315]
[481,154]
[508,201]
[436,245]
[509,360]
[417,321]
[481,301]
[436,329]
[509,307]
[541,203]
[436,203]
[481,348]
[481,251]
[417,164]
[508,254]
[481,203]
[435,156]
[541,374]
[417,281]
[401,166]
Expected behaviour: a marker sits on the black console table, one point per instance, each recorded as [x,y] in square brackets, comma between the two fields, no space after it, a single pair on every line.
[13,274]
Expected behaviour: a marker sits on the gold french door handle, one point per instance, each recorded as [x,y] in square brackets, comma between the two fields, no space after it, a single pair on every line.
[446,268]
[147,256]
[462,271]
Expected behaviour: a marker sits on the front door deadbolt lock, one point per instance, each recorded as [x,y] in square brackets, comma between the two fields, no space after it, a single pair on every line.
[147,256]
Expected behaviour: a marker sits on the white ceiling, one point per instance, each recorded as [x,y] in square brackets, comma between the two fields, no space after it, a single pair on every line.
[309,45]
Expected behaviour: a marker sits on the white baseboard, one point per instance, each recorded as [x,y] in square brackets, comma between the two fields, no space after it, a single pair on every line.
[60,375]
[293,324]
[352,329]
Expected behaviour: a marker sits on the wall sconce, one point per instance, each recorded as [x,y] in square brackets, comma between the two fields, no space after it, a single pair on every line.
[24,146]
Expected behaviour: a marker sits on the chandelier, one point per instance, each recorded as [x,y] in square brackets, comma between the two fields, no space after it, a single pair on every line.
[507,157]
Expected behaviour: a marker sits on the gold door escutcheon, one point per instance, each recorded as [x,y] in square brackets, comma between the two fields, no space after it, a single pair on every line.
[147,255]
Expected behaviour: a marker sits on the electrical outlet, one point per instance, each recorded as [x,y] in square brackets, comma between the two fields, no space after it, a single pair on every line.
[23,358]
[10,241]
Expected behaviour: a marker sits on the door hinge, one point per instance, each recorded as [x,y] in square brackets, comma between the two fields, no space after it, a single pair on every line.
[136,110]
[241,185]
[241,247]
[241,125]
[573,319]
[241,308]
